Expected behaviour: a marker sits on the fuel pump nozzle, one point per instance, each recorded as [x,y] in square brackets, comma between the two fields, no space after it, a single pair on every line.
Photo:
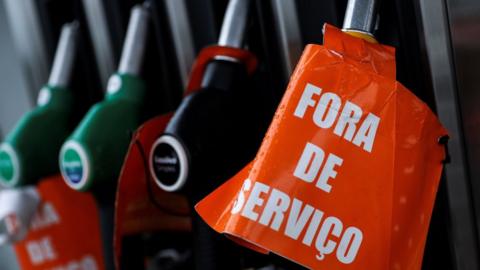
[94,152]
[360,19]
[197,128]
[211,136]
[30,149]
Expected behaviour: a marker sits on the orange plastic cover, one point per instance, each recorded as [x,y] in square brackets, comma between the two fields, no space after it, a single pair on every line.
[347,174]
[65,233]
[142,207]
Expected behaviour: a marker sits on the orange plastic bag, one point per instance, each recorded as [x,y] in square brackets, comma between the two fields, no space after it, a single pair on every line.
[347,174]
[65,233]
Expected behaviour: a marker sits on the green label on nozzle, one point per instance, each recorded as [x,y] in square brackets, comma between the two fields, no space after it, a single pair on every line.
[73,165]
[6,167]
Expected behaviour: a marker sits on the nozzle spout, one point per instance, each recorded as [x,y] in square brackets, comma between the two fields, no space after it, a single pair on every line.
[234,24]
[64,56]
[135,41]
[361,16]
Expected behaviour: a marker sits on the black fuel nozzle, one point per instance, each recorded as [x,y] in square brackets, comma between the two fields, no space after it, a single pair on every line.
[213,134]
[210,138]
[204,142]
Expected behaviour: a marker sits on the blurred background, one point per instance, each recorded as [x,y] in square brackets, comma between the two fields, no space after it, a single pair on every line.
[15,86]
[438,58]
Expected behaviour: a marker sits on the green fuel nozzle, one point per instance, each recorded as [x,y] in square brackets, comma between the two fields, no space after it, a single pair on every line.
[94,153]
[30,150]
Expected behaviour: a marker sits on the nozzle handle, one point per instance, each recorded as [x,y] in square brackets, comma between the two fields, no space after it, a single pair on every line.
[361,16]
[64,56]
[135,41]
[234,24]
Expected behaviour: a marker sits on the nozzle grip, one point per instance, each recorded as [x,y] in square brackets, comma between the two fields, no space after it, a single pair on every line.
[33,145]
[93,155]
[204,126]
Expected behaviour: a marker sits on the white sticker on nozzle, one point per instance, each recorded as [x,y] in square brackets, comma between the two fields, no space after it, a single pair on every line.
[168,163]
[74,165]
[114,84]
[44,96]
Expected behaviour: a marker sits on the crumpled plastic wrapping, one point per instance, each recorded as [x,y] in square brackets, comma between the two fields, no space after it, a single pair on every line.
[347,174]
